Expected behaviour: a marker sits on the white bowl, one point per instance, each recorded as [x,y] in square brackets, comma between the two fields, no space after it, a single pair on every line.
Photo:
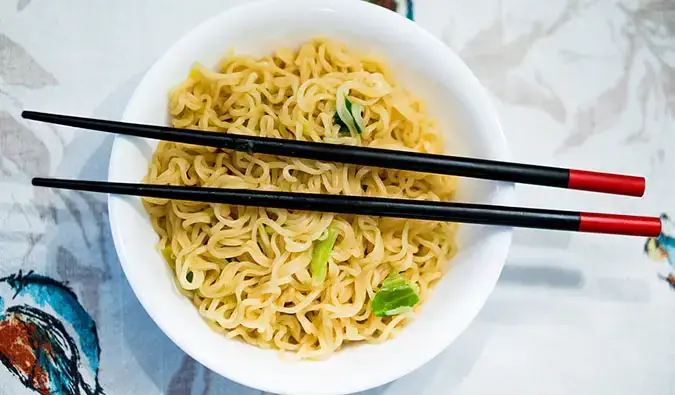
[421,63]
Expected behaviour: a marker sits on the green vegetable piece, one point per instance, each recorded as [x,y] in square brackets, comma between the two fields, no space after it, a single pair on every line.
[343,128]
[348,105]
[396,296]
[168,254]
[357,114]
[320,254]
[171,259]
[394,281]
[400,310]
[352,116]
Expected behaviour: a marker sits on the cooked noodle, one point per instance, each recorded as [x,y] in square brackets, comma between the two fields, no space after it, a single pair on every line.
[247,269]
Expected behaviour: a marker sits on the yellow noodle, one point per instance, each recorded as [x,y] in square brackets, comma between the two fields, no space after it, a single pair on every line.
[247,269]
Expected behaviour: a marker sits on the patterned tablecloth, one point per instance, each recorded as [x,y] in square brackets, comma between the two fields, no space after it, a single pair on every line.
[588,83]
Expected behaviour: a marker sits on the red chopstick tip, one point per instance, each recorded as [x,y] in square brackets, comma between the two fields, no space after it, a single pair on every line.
[618,184]
[620,224]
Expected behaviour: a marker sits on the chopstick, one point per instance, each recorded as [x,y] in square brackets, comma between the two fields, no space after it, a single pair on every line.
[413,161]
[401,208]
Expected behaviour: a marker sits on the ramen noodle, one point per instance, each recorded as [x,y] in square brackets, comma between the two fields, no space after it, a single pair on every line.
[306,283]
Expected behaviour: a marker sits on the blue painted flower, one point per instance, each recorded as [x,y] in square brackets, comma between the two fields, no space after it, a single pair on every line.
[663,247]
[48,342]
[404,7]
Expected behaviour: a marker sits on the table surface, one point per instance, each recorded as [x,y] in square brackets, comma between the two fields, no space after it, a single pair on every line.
[583,83]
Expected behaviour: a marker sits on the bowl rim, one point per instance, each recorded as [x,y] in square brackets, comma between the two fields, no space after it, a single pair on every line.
[506,195]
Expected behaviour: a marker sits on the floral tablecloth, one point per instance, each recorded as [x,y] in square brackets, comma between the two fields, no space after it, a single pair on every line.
[584,83]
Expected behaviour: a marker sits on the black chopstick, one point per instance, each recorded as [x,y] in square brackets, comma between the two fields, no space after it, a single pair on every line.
[364,156]
[401,208]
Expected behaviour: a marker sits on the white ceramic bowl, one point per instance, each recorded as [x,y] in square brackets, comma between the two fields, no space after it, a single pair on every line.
[422,64]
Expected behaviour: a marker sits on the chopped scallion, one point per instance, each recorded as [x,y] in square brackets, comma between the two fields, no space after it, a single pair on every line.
[320,254]
[348,115]
[343,128]
[357,114]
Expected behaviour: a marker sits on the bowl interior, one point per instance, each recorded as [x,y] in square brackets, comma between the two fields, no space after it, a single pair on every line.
[424,66]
